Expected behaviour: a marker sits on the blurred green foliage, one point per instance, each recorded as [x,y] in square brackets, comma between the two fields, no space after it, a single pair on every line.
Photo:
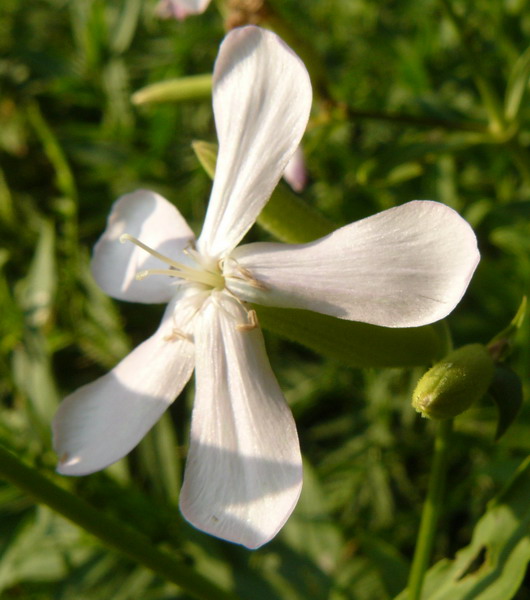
[402,111]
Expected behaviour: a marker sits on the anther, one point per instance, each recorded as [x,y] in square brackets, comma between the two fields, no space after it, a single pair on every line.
[239,272]
[177,334]
[252,322]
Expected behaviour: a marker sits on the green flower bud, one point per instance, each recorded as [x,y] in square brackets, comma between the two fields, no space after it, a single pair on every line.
[194,87]
[453,384]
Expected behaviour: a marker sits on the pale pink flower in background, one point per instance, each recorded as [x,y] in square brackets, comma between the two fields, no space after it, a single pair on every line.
[296,173]
[180,9]
[405,267]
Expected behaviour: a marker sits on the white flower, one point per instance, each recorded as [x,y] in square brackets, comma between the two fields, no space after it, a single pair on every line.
[295,173]
[405,267]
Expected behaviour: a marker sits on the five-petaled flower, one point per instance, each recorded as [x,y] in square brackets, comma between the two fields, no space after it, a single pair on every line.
[405,267]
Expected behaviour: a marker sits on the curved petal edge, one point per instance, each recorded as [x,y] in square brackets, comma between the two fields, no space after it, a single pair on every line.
[404,267]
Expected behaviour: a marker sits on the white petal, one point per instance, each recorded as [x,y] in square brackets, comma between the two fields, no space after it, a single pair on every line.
[244,472]
[155,222]
[404,267]
[104,420]
[261,98]
[180,9]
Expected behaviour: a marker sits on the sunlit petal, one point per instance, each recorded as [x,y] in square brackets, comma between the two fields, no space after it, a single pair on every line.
[404,267]
[102,421]
[158,224]
[262,97]
[243,473]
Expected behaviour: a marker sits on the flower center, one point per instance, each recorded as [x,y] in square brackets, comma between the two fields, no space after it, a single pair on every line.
[207,273]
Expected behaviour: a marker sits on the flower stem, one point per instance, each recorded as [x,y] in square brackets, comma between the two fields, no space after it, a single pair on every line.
[431,511]
[110,531]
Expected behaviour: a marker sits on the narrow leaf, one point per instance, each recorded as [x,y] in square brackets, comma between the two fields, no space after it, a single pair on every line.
[64,177]
[38,288]
[126,26]
[32,364]
[517,86]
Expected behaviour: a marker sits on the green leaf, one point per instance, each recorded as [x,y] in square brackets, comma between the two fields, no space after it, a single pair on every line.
[32,366]
[494,564]
[6,200]
[52,148]
[355,344]
[517,86]
[44,548]
[126,26]
[33,375]
[99,331]
[514,238]
[392,566]
[159,459]
[311,531]
[37,290]
[506,391]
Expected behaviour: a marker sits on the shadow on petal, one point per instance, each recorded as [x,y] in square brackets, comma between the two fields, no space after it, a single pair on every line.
[243,499]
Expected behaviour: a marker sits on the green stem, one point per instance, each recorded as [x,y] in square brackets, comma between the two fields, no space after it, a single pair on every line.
[110,531]
[431,511]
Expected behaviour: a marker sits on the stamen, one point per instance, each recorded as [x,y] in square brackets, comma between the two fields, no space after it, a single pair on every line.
[211,279]
[239,272]
[252,322]
[247,276]
[250,313]
[125,237]
[206,276]
[177,334]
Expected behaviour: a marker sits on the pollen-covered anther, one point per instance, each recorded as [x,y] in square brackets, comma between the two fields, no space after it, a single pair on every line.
[252,322]
[178,334]
[239,272]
